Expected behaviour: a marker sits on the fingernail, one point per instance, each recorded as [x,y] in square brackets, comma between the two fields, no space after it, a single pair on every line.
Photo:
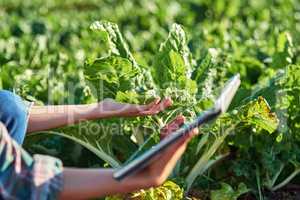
[181,117]
[170,102]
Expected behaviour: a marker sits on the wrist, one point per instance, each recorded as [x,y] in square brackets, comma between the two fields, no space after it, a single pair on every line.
[125,186]
[87,112]
[107,108]
[102,110]
[96,111]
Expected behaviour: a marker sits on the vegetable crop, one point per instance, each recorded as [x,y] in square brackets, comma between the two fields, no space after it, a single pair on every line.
[186,50]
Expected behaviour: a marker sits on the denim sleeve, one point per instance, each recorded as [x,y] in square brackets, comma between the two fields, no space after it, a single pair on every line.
[25,177]
[27,105]
[14,114]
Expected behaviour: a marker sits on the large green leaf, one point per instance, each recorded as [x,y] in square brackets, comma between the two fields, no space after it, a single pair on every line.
[172,66]
[177,41]
[282,92]
[139,78]
[258,114]
[111,34]
[109,75]
[210,76]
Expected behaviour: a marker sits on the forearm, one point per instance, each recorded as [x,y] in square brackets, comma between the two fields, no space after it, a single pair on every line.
[92,183]
[48,117]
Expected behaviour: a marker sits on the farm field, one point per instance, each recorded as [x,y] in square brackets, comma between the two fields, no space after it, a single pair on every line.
[77,52]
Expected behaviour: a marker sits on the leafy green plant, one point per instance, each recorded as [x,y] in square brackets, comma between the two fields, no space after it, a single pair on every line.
[44,61]
[168,191]
[173,66]
[117,74]
[256,113]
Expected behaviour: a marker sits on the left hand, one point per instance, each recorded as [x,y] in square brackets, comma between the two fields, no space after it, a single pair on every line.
[162,165]
[111,108]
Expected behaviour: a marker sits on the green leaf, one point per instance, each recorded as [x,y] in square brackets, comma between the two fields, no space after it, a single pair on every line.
[258,113]
[169,66]
[199,73]
[117,47]
[282,92]
[168,191]
[111,34]
[109,75]
[177,42]
[226,192]
[173,64]
[128,97]
[284,53]
[210,75]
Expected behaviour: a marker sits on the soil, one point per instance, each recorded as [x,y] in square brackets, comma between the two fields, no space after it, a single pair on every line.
[290,192]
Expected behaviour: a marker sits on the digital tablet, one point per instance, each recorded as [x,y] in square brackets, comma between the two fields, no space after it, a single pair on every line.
[221,105]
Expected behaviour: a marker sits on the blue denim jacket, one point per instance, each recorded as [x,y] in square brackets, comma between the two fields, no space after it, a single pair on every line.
[14,114]
[22,176]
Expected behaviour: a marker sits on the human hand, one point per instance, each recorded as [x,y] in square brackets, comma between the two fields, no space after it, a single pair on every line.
[161,167]
[111,108]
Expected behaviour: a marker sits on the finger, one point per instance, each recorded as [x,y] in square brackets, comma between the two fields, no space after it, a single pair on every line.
[172,126]
[144,109]
[167,101]
[153,103]
[156,108]
[149,106]
[163,104]
[133,108]
[136,110]
[190,135]
[176,124]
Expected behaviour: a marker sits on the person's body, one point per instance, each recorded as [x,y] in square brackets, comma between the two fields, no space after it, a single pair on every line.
[43,177]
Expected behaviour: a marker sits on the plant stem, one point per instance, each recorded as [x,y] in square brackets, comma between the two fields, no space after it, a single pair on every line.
[110,159]
[287,180]
[202,142]
[277,175]
[215,160]
[258,184]
[159,121]
[203,163]
[138,134]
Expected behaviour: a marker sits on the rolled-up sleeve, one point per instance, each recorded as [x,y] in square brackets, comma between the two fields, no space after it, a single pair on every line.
[26,177]
[28,105]
[14,114]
